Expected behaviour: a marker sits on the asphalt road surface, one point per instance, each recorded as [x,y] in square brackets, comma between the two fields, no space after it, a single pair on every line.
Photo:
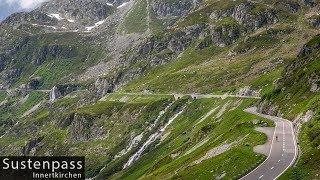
[283,150]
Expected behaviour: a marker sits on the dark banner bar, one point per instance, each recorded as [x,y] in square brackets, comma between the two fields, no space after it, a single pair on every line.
[18,167]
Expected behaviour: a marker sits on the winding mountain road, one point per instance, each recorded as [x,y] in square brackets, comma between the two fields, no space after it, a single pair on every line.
[283,152]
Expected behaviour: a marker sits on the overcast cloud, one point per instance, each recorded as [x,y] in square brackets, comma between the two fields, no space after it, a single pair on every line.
[8,7]
[24,4]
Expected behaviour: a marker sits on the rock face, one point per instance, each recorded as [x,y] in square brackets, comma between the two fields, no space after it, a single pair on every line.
[35,82]
[267,107]
[105,85]
[172,8]
[244,15]
[165,47]
[34,17]
[247,91]
[30,146]
[314,82]
[309,2]
[78,128]
[314,21]
[225,34]
[79,10]
[84,128]
[26,50]
[288,5]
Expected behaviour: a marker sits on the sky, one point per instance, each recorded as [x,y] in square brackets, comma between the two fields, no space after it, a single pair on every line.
[8,7]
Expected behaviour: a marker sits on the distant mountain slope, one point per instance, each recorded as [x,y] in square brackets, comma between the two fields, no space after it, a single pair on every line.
[104,79]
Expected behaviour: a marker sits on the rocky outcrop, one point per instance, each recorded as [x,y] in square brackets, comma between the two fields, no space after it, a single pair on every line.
[52,51]
[267,107]
[82,128]
[35,82]
[288,5]
[78,128]
[225,34]
[153,51]
[307,50]
[104,85]
[244,14]
[314,21]
[311,3]
[66,89]
[84,10]
[9,75]
[34,17]
[173,8]
[176,42]
[314,82]
[30,146]
[247,91]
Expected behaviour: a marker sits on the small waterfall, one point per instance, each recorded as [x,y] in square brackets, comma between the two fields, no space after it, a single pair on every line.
[133,143]
[152,138]
[159,116]
[55,93]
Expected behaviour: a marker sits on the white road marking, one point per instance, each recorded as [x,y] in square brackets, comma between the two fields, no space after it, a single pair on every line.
[260,176]
[295,148]
[269,156]
[272,167]
[290,135]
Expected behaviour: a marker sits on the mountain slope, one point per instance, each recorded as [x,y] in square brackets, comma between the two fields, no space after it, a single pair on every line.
[116,81]
[297,97]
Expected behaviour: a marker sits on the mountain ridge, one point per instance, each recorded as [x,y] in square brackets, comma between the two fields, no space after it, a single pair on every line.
[92,54]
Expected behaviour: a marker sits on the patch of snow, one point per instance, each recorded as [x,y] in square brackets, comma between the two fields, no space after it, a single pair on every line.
[109,4]
[71,20]
[122,5]
[57,16]
[53,27]
[89,28]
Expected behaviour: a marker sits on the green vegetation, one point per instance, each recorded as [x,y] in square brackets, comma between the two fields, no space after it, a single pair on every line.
[293,96]
[103,128]
[188,139]
[61,56]
[136,19]
[3,96]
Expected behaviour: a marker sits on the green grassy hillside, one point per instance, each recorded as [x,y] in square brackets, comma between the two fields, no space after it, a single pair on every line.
[152,50]
[294,95]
